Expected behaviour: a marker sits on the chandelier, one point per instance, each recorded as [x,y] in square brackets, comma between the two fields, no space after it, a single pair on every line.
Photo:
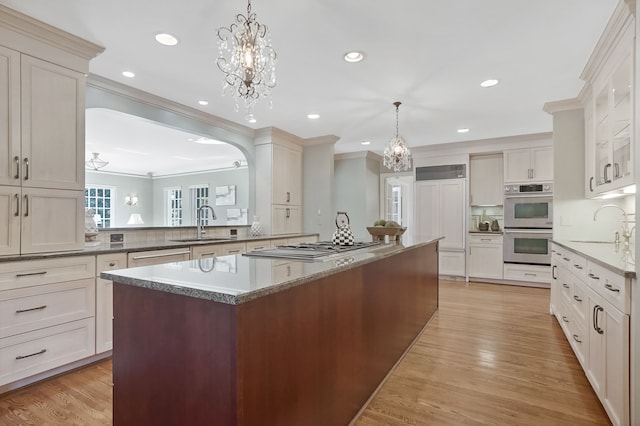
[247,60]
[95,162]
[397,156]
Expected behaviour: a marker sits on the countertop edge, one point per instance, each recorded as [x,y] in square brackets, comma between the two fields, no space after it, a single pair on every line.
[571,245]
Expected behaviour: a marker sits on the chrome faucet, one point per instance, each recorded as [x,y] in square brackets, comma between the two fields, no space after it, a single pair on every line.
[199,219]
[626,232]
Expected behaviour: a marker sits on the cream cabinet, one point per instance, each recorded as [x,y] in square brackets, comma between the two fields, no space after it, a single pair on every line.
[485,256]
[47,310]
[9,116]
[538,274]
[486,181]
[609,106]
[104,299]
[528,165]
[279,187]
[440,211]
[156,257]
[592,305]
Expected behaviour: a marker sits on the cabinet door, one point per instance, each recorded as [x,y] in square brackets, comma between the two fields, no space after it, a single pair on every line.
[428,209]
[485,261]
[452,213]
[590,146]
[104,299]
[9,116]
[294,165]
[517,165]
[286,220]
[52,220]
[542,163]
[52,125]
[486,181]
[9,220]
[287,176]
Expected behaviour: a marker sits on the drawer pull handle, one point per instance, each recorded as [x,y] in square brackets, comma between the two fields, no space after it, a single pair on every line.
[577,266]
[566,258]
[486,240]
[611,288]
[30,274]
[17,160]
[151,256]
[33,354]
[565,319]
[19,311]
[112,264]
[17,197]
[595,277]
[575,337]
[565,285]
[234,251]
[531,274]
[26,168]
[577,299]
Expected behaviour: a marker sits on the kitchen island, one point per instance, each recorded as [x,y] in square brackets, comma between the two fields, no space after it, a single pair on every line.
[237,340]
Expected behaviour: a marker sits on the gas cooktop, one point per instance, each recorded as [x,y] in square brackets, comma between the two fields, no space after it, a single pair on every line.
[309,251]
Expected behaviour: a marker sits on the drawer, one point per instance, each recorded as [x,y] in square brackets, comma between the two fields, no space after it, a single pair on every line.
[610,286]
[485,239]
[30,308]
[46,271]
[109,262]
[278,242]
[235,248]
[580,303]
[579,340]
[578,266]
[202,251]
[530,273]
[156,257]
[258,245]
[26,354]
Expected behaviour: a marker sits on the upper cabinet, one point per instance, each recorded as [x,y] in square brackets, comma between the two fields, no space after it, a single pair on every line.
[486,184]
[608,101]
[528,165]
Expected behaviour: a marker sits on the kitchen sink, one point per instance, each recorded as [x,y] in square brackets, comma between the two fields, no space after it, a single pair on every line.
[195,240]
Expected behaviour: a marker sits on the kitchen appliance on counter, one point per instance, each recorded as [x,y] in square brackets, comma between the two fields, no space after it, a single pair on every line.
[309,251]
[528,223]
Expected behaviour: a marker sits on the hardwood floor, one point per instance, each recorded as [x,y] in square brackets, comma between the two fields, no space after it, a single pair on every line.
[492,354]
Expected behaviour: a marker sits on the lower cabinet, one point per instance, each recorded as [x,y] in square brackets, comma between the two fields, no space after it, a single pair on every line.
[591,304]
[485,256]
[104,299]
[451,262]
[47,310]
[539,274]
[156,257]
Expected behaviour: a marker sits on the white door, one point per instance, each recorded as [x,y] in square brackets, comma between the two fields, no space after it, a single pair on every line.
[428,209]
[9,117]
[517,163]
[452,210]
[9,220]
[542,163]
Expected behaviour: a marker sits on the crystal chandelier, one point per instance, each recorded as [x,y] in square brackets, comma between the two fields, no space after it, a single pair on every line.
[95,162]
[397,156]
[247,60]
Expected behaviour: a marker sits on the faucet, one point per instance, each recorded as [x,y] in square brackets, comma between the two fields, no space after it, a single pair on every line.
[626,232]
[199,219]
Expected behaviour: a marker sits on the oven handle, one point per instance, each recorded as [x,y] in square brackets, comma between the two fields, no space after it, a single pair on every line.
[527,231]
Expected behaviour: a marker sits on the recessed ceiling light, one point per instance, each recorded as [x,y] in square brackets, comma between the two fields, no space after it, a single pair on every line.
[354,56]
[166,39]
[203,102]
[489,83]
[128,74]
[463,130]
[365,143]
[250,118]
[313,116]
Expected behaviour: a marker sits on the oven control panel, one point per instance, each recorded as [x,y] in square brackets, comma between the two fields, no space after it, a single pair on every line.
[530,188]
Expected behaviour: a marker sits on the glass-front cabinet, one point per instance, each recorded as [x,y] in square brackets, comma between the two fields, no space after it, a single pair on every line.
[609,121]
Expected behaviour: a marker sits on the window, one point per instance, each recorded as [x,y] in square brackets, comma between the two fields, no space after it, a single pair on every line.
[200,197]
[174,206]
[98,198]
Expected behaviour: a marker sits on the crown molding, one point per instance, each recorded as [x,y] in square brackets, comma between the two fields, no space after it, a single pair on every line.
[562,105]
[358,154]
[274,135]
[321,140]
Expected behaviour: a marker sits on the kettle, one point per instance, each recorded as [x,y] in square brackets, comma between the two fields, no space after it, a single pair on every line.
[343,236]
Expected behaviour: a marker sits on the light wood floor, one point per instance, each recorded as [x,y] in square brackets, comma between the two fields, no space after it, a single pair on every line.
[492,355]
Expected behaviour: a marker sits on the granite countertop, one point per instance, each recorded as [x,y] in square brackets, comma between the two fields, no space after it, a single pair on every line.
[129,247]
[236,279]
[608,255]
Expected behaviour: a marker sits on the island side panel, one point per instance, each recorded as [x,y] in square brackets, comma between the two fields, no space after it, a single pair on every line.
[314,354]
[173,359]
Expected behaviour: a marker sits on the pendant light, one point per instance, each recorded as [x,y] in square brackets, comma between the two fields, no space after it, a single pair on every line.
[397,156]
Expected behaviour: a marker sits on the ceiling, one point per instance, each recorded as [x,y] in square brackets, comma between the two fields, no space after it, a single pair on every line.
[430,55]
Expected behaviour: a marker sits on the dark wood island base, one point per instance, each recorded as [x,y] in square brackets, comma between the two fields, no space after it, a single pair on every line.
[308,355]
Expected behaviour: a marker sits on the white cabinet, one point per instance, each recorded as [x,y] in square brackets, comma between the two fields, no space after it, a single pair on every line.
[539,274]
[42,166]
[156,257]
[104,299]
[279,188]
[47,310]
[486,182]
[529,164]
[485,256]
[440,211]
[609,107]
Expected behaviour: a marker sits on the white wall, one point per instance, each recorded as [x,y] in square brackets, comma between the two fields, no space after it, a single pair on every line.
[317,189]
[124,185]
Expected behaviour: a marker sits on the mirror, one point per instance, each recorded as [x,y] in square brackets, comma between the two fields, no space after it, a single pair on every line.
[158,175]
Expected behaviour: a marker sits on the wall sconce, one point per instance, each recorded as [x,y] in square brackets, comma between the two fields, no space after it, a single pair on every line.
[131,199]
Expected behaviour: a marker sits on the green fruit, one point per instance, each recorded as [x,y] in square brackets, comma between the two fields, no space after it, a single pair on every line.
[380,222]
[392,224]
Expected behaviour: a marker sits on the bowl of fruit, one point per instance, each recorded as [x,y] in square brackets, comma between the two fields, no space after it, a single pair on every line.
[383,227]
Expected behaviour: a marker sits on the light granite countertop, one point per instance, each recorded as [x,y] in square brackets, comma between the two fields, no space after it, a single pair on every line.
[237,279]
[128,247]
[608,255]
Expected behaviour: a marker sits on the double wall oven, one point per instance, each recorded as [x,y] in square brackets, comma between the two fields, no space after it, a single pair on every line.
[528,223]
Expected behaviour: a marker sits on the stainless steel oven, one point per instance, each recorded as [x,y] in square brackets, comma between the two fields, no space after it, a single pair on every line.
[529,246]
[528,206]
